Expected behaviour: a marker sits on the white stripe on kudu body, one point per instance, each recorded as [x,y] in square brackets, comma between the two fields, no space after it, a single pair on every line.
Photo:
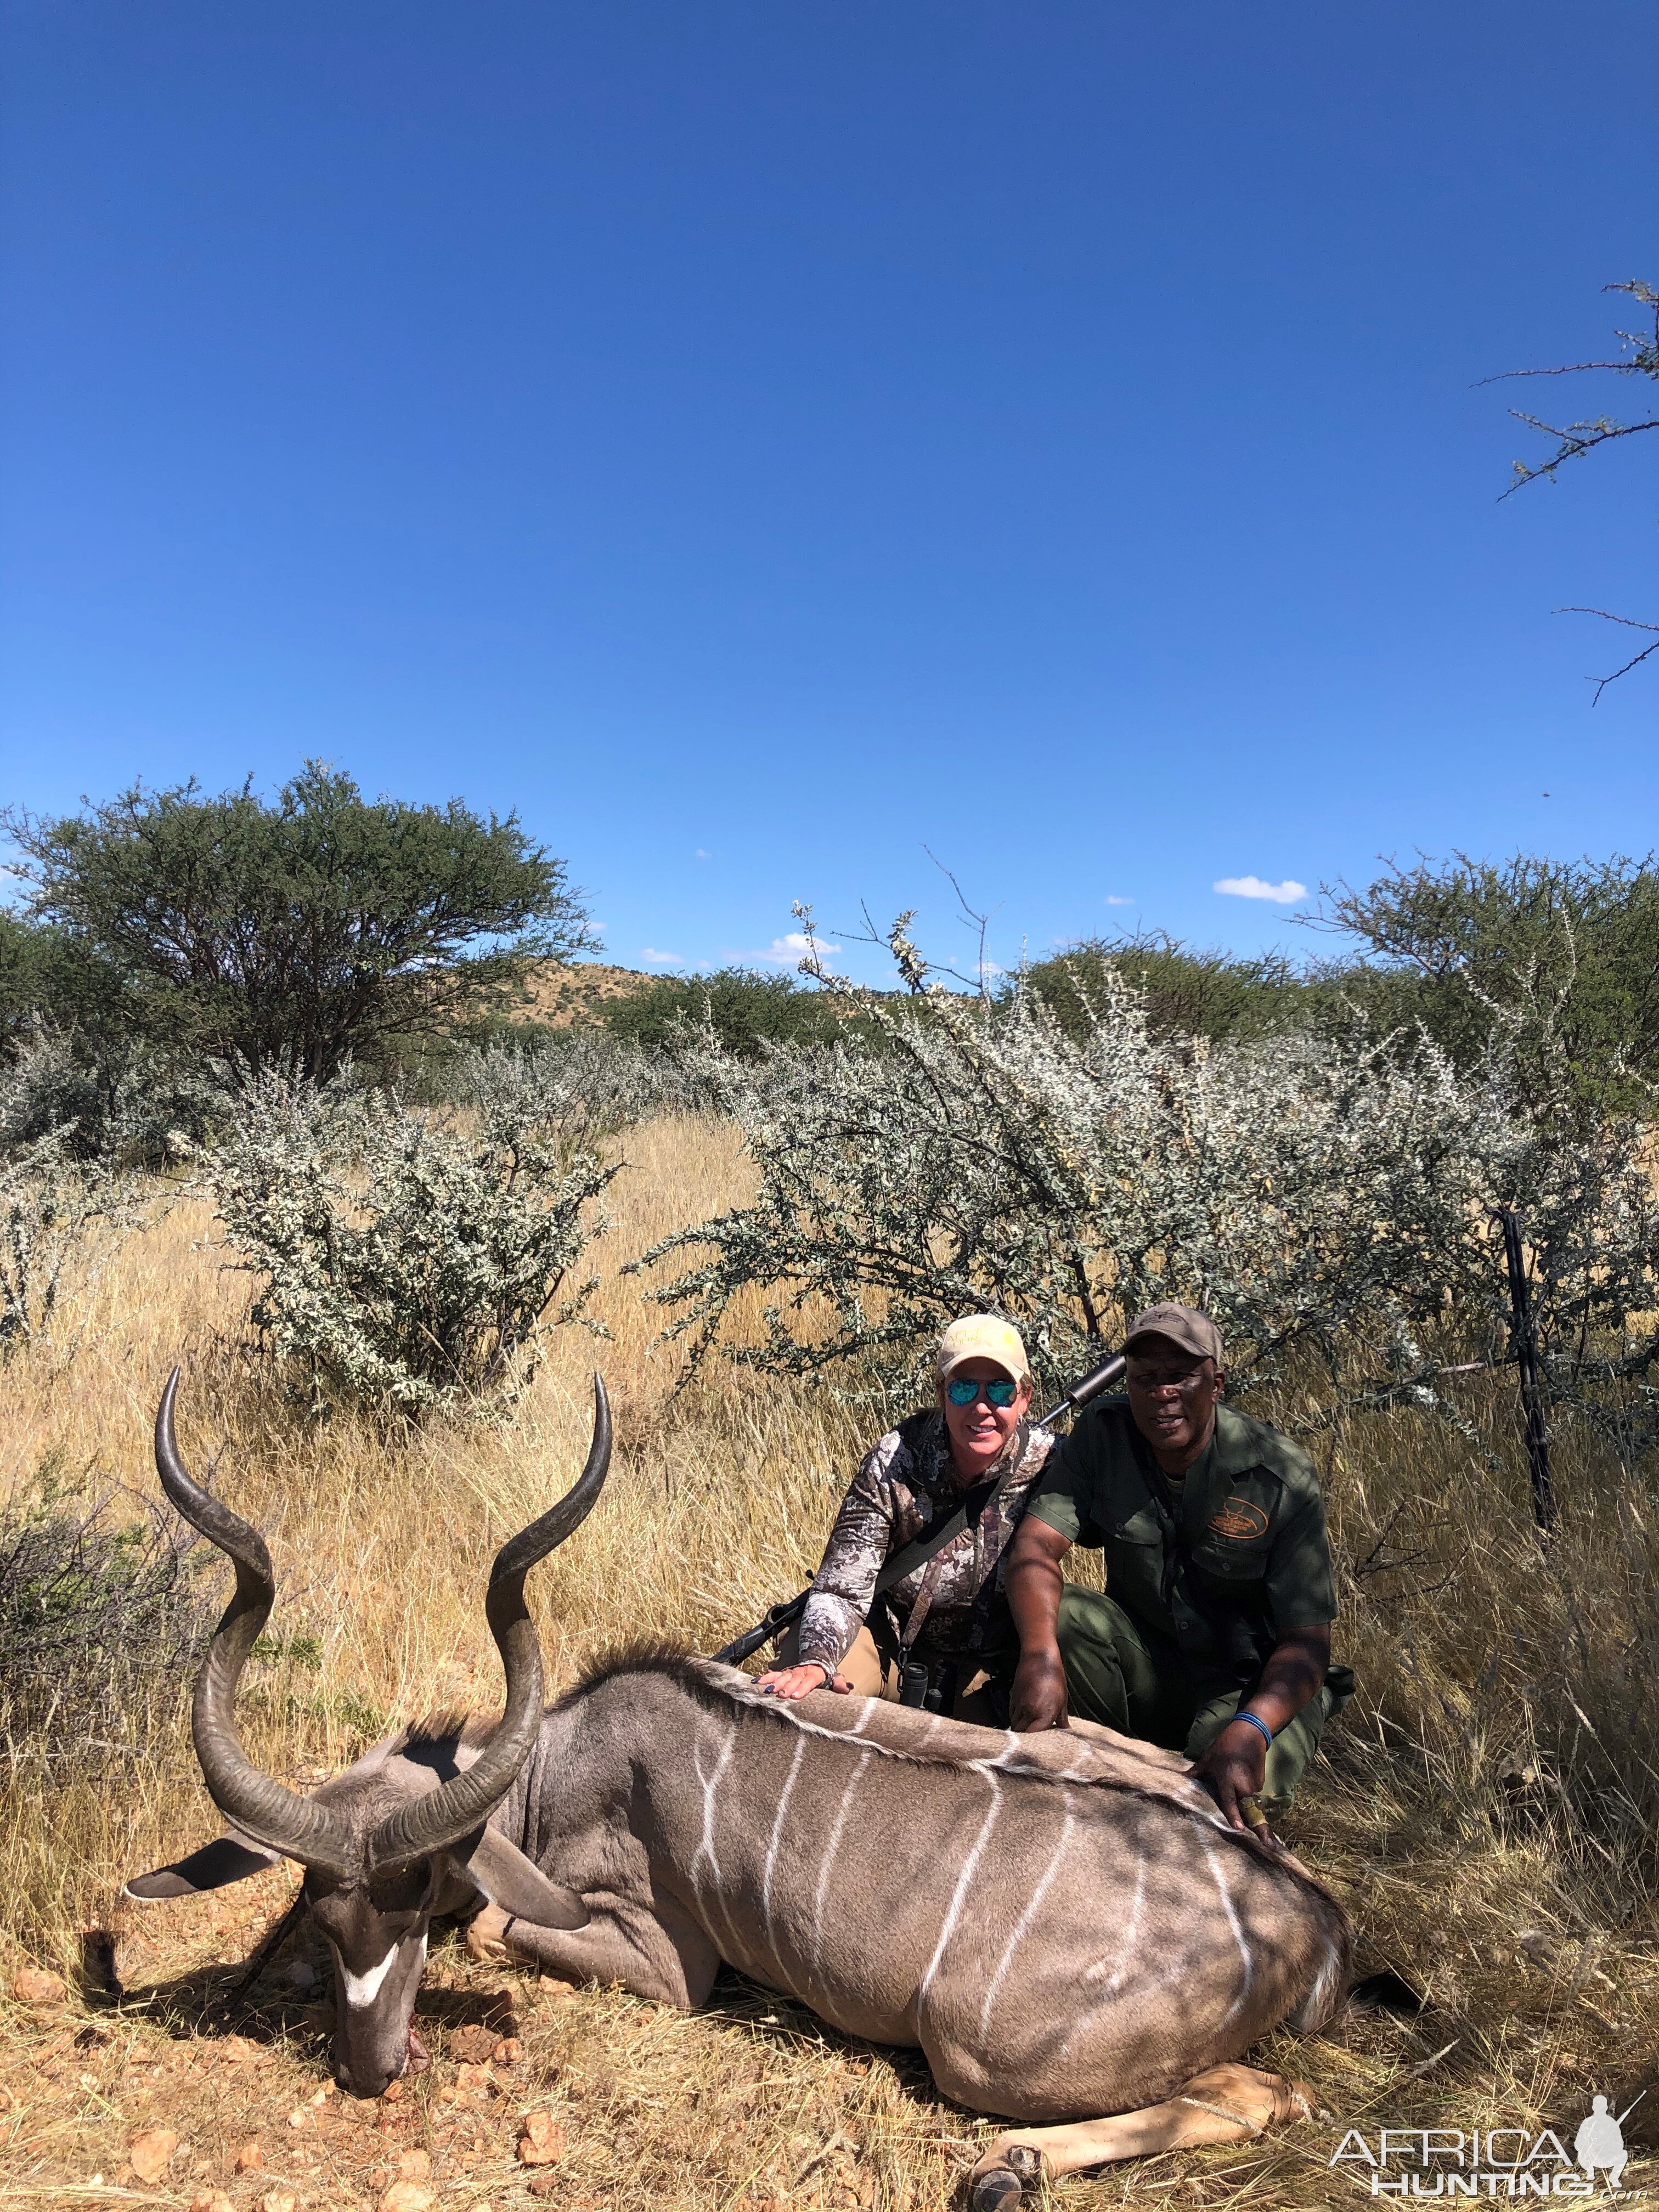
[830,1849]
[777,1838]
[1033,1905]
[963,1880]
[1230,1910]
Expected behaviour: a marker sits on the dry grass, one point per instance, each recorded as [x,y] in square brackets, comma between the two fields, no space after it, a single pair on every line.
[1520,1897]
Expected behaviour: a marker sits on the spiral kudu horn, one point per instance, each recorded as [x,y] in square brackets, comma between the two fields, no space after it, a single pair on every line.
[441,1817]
[262,1807]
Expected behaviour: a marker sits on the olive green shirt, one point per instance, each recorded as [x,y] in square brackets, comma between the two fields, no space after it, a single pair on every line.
[1250,1510]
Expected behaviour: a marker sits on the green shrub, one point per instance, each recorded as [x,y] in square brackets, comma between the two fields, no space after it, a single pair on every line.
[1184,991]
[746,1010]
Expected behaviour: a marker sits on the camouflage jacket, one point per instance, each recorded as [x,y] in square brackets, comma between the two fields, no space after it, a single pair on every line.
[953,1605]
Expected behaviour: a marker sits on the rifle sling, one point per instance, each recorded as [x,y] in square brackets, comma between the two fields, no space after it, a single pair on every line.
[923,1549]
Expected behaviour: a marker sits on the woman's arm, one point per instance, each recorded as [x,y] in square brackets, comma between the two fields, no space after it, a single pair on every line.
[844,1588]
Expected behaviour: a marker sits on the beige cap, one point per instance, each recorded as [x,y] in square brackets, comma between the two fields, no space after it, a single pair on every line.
[1192,1331]
[981,1336]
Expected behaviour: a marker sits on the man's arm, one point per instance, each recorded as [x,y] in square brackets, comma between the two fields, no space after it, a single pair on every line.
[1236,1763]
[1032,1582]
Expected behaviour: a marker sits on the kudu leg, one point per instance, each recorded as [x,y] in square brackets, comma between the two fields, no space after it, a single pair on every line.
[1218,2105]
[666,1956]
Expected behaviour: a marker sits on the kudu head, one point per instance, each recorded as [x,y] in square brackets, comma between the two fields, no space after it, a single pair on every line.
[402,1834]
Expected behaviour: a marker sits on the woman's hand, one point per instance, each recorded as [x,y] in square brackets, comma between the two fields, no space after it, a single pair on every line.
[801,1681]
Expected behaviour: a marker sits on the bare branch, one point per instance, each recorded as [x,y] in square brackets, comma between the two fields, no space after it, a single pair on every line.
[1629,622]
[969,914]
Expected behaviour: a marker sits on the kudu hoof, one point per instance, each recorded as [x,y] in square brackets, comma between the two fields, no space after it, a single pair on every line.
[999,2188]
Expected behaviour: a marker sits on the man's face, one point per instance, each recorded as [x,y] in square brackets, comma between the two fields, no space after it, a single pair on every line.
[1172,1394]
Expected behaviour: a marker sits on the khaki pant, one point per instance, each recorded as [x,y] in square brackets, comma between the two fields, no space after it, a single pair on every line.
[1122,1676]
[864,1670]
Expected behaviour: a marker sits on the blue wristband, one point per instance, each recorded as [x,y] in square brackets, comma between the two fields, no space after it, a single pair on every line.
[1257,1722]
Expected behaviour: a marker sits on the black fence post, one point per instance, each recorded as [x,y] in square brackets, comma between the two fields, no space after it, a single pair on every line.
[1526,1356]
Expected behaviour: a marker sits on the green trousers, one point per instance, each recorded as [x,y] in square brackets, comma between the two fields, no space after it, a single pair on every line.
[1121,1674]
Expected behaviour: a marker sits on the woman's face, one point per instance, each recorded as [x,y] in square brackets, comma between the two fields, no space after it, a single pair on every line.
[978,1432]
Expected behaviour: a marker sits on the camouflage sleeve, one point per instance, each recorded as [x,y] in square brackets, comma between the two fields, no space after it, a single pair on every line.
[845,1585]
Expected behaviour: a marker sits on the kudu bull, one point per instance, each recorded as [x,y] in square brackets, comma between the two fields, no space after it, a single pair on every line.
[1063,1922]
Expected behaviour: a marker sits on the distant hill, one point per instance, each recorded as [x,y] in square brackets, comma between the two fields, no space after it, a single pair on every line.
[562,994]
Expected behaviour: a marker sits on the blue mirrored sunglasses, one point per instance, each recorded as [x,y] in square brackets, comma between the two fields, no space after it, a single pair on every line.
[1001,1392]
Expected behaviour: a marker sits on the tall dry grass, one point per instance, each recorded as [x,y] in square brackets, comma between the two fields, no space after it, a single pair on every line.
[1485,1811]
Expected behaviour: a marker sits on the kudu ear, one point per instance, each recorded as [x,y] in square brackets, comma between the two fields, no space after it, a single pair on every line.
[227,1859]
[506,1877]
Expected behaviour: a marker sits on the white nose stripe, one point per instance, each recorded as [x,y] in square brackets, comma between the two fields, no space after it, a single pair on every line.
[363,1989]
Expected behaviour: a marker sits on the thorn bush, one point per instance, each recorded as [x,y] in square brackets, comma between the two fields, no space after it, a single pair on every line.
[1327,1198]
[410,1261]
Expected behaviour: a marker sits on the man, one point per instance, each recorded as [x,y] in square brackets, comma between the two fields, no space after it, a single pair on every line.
[1214,1634]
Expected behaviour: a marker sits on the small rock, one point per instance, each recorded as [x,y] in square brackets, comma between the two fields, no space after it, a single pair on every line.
[33,1985]
[415,2166]
[212,2200]
[473,2044]
[541,2184]
[391,2093]
[406,2196]
[151,2151]
[249,2160]
[298,2117]
[279,2200]
[509,2051]
[541,2141]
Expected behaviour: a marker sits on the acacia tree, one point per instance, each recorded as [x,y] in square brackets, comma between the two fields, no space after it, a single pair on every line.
[1573,440]
[1560,958]
[303,932]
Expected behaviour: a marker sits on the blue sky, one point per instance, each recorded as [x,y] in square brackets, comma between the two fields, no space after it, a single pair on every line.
[761,439]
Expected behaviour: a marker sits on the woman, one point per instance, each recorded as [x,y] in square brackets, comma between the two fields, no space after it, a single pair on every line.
[949,1615]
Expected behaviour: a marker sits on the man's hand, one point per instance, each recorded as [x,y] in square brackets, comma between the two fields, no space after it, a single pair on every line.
[1236,1763]
[1032,1581]
[1234,1766]
[801,1681]
[1038,1699]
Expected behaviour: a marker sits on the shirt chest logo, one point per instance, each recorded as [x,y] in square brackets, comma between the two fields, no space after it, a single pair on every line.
[1239,1520]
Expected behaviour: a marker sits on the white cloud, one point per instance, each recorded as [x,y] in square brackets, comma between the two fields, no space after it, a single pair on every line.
[794,947]
[1117,898]
[663,959]
[1285,894]
[702,855]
